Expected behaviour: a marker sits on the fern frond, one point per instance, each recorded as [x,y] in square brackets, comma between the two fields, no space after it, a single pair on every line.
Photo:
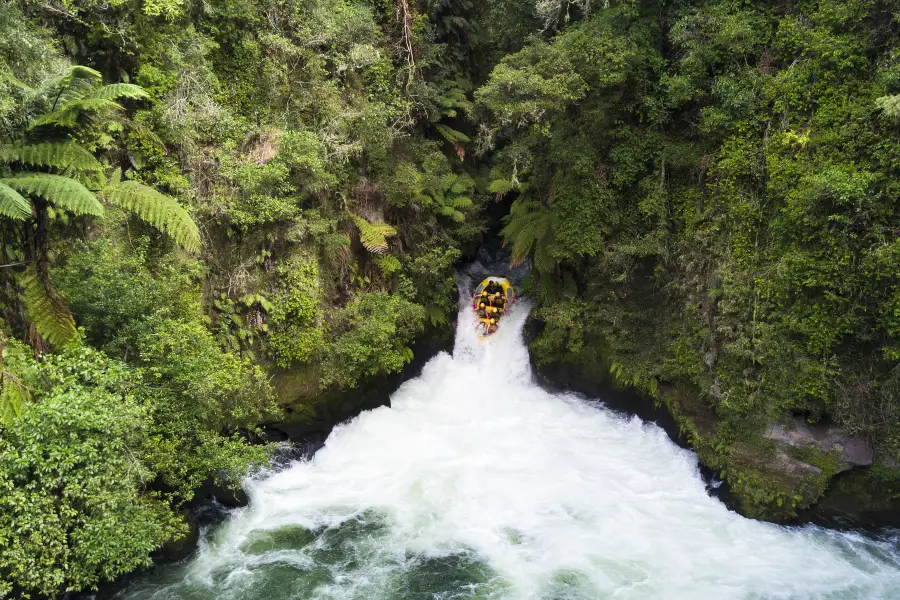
[500,186]
[120,90]
[544,260]
[67,115]
[159,210]
[890,105]
[80,72]
[452,135]
[59,155]
[12,400]
[388,264]
[47,309]
[63,192]
[529,226]
[76,83]
[460,202]
[463,184]
[374,235]
[12,204]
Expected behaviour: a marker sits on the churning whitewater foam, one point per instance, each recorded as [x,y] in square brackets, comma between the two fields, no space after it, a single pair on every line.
[476,483]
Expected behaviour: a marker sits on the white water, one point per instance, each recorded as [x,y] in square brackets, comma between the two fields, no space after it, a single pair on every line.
[476,483]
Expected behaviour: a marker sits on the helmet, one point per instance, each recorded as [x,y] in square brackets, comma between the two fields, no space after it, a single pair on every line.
[484,293]
[492,321]
[481,305]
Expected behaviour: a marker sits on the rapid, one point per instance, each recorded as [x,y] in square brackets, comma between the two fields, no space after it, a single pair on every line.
[477,483]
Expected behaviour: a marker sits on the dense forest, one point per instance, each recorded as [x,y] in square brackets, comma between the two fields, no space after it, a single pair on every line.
[216,215]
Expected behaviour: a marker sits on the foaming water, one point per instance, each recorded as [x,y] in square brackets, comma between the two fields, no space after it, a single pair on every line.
[476,483]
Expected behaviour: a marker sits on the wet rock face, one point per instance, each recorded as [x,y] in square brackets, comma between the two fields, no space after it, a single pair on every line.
[795,434]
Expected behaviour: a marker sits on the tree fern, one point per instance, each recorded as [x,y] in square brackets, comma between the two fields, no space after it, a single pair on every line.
[58,155]
[77,82]
[67,115]
[374,235]
[47,309]
[529,227]
[159,210]
[81,93]
[63,192]
[12,204]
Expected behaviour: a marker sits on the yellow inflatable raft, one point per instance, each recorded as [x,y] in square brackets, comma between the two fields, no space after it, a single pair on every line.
[493,285]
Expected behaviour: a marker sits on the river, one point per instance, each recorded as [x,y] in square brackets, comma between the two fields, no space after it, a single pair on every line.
[477,483]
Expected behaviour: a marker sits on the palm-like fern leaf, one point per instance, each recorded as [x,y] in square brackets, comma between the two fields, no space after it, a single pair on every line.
[452,135]
[12,400]
[80,72]
[47,309]
[67,115]
[76,83]
[63,192]
[120,90]
[452,213]
[529,226]
[59,155]
[81,96]
[460,202]
[374,235]
[159,210]
[12,204]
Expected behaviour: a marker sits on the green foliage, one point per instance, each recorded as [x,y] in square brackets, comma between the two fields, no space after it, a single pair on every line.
[115,289]
[373,236]
[62,191]
[706,193]
[433,187]
[285,130]
[58,155]
[12,204]
[530,231]
[72,512]
[296,319]
[372,334]
[159,210]
[47,309]
[81,465]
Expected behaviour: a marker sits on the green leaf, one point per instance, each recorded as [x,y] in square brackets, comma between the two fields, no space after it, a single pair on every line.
[12,204]
[452,135]
[159,210]
[47,309]
[120,90]
[374,235]
[12,400]
[60,155]
[500,186]
[63,192]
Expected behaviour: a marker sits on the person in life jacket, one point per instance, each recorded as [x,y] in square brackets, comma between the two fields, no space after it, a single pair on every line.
[481,310]
[494,314]
[498,300]
[491,326]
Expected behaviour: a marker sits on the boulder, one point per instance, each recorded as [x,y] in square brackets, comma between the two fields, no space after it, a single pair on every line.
[794,435]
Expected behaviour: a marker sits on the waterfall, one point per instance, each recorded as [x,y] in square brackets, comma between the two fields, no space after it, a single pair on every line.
[477,483]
